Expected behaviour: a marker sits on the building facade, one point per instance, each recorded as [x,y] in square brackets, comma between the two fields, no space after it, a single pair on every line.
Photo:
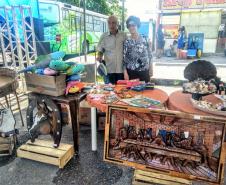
[198,16]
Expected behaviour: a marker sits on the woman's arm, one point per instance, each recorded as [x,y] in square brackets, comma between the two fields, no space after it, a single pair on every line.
[125,47]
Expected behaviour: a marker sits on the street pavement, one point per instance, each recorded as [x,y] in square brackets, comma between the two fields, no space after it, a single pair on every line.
[171,68]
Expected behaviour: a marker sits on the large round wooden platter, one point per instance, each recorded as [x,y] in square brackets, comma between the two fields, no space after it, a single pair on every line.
[215,112]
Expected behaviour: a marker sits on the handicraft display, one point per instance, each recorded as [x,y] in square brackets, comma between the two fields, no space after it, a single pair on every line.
[206,106]
[199,88]
[179,144]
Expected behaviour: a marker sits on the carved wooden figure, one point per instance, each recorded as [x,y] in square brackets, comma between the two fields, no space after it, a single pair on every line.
[47,119]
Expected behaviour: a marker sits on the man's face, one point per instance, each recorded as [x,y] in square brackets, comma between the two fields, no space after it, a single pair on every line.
[112,25]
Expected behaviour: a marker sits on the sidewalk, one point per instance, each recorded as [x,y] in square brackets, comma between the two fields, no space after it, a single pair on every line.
[218,60]
[171,68]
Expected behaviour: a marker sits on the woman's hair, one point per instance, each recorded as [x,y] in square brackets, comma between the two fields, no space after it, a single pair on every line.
[134,19]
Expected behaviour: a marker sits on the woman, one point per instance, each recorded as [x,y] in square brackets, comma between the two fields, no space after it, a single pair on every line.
[181,41]
[136,53]
[160,42]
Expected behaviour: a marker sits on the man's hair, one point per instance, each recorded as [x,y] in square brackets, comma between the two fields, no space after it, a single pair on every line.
[134,19]
[113,17]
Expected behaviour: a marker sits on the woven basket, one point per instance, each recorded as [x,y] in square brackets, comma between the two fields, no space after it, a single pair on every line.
[11,87]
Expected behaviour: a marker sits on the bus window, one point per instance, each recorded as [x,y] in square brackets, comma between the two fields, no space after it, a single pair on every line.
[97,24]
[65,13]
[102,26]
[78,19]
[49,13]
[66,21]
[89,23]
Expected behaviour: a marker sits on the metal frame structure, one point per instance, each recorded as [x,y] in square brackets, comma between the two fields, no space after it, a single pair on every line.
[17,37]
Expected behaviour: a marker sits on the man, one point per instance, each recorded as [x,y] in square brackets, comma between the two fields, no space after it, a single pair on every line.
[111,47]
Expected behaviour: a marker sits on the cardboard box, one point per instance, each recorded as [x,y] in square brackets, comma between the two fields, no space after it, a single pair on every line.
[167,142]
[65,113]
[85,116]
[101,123]
[49,85]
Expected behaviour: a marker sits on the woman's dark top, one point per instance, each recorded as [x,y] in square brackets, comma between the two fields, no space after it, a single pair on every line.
[135,54]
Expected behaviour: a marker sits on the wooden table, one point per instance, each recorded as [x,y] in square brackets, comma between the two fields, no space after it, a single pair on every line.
[181,102]
[95,104]
[73,101]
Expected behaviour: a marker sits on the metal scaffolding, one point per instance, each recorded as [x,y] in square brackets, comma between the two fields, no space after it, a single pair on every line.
[17,37]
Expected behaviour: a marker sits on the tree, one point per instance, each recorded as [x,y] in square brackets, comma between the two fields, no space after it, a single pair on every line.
[107,7]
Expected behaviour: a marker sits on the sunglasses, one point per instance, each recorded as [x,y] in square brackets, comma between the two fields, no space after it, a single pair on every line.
[132,25]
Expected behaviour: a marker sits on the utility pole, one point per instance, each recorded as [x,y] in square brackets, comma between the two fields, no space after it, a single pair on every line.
[123,15]
[84,23]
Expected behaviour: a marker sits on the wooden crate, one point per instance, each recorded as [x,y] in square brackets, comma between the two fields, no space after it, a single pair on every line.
[85,116]
[101,119]
[43,151]
[6,145]
[206,133]
[147,178]
[43,84]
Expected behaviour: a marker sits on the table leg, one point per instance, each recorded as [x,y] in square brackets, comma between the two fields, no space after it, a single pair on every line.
[75,124]
[93,128]
[18,104]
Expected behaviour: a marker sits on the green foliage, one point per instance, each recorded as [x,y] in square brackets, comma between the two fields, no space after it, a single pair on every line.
[109,7]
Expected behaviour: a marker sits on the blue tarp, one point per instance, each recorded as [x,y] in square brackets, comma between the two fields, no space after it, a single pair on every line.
[32,3]
[144,29]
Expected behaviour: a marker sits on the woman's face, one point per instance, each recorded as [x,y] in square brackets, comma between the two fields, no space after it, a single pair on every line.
[132,28]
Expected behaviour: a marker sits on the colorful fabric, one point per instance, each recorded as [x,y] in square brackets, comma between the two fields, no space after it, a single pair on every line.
[135,54]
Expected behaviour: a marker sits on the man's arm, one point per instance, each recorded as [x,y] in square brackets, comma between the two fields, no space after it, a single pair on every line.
[100,48]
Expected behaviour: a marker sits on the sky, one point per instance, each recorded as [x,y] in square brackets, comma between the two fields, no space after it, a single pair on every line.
[145,9]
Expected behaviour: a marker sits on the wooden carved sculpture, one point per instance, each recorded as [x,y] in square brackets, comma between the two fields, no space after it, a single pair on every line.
[46,121]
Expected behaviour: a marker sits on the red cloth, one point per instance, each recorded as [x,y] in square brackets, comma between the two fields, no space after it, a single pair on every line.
[156,94]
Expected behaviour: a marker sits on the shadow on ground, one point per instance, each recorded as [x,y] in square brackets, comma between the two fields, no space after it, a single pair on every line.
[88,168]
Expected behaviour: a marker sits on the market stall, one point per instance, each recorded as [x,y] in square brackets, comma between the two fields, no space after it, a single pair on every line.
[97,100]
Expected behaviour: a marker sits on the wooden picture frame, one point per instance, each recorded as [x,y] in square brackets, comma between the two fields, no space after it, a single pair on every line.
[192,148]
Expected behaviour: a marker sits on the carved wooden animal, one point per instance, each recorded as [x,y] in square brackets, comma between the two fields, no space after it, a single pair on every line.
[44,123]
